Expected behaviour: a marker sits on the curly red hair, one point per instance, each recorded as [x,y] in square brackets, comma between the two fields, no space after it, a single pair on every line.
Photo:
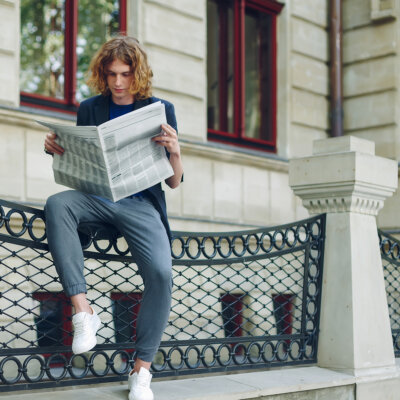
[128,50]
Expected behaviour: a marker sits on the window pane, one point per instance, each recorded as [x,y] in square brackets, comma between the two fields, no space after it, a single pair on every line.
[258,112]
[97,22]
[220,65]
[49,323]
[42,47]
[125,310]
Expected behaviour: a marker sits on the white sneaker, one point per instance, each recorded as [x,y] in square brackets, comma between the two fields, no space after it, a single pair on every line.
[85,327]
[139,385]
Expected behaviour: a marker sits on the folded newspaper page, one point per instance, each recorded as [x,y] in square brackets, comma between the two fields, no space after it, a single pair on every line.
[115,159]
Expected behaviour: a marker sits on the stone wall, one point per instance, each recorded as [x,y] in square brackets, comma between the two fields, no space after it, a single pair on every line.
[303,85]
[225,185]
[370,71]
[9,52]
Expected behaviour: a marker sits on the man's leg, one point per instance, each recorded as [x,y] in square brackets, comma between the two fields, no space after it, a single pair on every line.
[64,211]
[148,242]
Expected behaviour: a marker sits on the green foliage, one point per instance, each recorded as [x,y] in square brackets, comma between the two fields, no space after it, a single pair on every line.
[42,47]
[43,42]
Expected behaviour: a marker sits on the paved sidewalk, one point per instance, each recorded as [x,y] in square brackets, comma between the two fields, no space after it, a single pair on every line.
[225,387]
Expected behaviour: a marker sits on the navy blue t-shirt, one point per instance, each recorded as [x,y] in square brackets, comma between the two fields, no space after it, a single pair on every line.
[117,110]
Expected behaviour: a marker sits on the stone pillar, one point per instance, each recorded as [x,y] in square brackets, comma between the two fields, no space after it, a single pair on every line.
[347,181]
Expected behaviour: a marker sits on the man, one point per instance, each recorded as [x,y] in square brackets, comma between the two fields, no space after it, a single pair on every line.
[121,74]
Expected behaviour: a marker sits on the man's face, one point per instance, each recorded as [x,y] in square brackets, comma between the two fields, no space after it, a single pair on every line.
[119,78]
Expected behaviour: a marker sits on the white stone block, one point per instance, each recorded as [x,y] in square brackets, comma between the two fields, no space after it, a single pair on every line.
[228,191]
[309,109]
[386,144]
[355,13]
[301,139]
[309,74]
[9,34]
[369,111]
[370,76]
[343,144]
[309,39]
[175,31]
[194,8]
[174,200]
[281,198]
[315,11]
[256,183]
[12,149]
[198,189]
[369,42]
[186,77]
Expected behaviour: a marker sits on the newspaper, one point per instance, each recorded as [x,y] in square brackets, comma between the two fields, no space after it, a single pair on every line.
[115,159]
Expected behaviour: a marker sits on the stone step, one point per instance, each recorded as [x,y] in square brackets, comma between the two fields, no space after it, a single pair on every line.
[306,383]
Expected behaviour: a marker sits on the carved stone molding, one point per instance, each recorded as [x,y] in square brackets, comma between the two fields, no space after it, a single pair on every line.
[343,175]
[383,9]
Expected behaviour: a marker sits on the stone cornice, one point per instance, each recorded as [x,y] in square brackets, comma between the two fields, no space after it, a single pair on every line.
[357,197]
[232,155]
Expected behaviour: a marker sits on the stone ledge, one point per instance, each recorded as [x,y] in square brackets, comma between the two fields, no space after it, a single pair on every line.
[300,383]
[224,387]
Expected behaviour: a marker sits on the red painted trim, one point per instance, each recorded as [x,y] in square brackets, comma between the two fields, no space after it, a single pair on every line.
[285,302]
[70,58]
[34,100]
[122,17]
[70,63]
[223,66]
[274,85]
[239,67]
[266,5]
[222,133]
[36,96]
[238,138]
[244,143]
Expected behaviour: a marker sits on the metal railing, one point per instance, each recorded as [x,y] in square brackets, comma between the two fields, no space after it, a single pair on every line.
[241,300]
[390,252]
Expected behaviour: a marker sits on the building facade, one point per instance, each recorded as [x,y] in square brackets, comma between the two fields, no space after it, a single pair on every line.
[226,66]
[250,83]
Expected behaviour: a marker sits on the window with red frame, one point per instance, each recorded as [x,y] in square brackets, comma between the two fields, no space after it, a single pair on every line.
[53,322]
[125,309]
[241,71]
[283,312]
[58,40]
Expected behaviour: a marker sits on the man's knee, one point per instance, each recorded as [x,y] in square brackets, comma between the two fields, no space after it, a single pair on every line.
[161,272]
[57,204]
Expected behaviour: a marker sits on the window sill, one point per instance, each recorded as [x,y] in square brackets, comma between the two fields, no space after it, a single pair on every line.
[40,112]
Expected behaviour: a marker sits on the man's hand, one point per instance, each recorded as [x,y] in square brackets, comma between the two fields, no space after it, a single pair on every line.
[50,146]
[169,139]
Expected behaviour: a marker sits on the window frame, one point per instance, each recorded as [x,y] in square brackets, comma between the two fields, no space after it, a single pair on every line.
[69,103]
[66,317]
[238,136]
[283,309]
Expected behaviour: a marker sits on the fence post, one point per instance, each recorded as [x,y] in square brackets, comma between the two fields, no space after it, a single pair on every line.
[345,179]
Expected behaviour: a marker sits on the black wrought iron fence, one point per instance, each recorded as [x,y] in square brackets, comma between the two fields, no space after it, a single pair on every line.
[390,251]
[248,299]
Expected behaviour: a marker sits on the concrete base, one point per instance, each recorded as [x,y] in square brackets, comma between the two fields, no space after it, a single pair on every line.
[303,383]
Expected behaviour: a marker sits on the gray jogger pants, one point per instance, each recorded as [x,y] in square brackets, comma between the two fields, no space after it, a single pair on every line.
[141,225]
